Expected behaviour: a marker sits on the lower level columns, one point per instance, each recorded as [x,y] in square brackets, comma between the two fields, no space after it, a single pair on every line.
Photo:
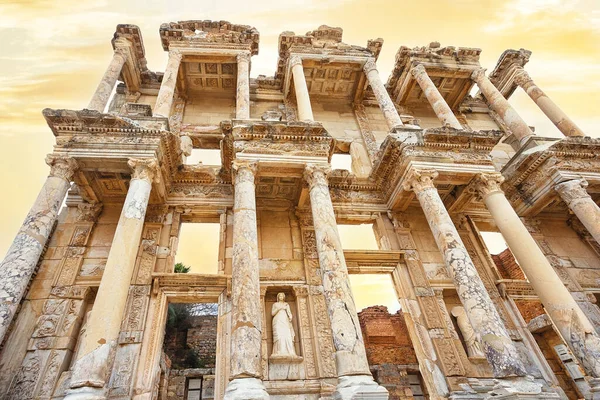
[302,98]
[381,94]
[354,376]
[581,203]
[23,255]
[98,344]
[440,107]
[481,312]
[246,320]
[560,305]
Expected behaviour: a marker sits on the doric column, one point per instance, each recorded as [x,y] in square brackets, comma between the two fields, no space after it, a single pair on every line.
[439,105]
[302,98]
[381,94]
[106,85]
[98,344]
[164,101]
[246,323]
[499,104]
[580,202]
[352,366]
[242,103]
[572,323]
[481,312]
[552,111]
[24,253]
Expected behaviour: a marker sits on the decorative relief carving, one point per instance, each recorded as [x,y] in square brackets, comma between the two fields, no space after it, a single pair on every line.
[61,166]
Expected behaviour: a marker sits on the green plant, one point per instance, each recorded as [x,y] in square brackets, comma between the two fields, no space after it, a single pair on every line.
[181,268]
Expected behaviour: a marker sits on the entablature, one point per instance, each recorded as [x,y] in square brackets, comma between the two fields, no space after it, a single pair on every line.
[503,74]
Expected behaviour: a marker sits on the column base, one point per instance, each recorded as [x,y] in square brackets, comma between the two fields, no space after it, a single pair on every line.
[358,387]
[504,388]
[246,389]
[85,393]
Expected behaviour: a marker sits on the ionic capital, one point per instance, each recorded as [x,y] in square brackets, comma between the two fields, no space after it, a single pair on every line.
[369,66]
[486,183]
[243,171]
[145,169]
[478,74]
[572,190]
[295,60]
[418,180]
[316,175]
[243,57]
[61,166]
[522,78]
[419,69]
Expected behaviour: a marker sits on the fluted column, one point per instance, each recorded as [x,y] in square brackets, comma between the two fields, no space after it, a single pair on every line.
[352,366]
[23,255]
[242,102]
[164,100]
[552,111]
[481,312]
[302,98]
[381,94]
[500,105]
[106,85]
[564,312]
[246,320]
[98,344]
[581,203]
[439,105]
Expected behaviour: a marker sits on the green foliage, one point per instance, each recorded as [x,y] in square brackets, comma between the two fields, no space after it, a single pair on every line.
[181,268]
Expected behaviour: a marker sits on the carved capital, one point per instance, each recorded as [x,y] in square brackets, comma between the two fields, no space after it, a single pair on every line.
[316,175]
[144,168]
[243,57]
[295,60]
[175,54]
[522,78]
[88,212]
[485,184]
[369,66]
[419,69]
[243,171]
[572,190]
[61,166]
[300,291]
[418,180]
[478,74]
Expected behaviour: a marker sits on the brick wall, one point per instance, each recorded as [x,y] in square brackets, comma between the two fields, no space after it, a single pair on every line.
[507,266]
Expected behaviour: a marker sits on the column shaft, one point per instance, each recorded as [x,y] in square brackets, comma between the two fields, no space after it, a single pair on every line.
[242,103]
[302,98]
[98,343]
[23,255]
[574,326]
[481,312]
[381,94]
[552,111]
[439,105]
[581,203]
[106,85]
[164,100]
[499,104]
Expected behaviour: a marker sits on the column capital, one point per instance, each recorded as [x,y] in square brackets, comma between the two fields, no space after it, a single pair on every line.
[572,190]
[316,175]
[243,170]
[62,166]
[243,57]
[485,184]
[418,180]
[370,65]
[522,78]
[478,74]
[145,169]
[419,69]
[175,54]
[295,60]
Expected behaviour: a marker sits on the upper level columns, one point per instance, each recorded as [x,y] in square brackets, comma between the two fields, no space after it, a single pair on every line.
[581,203]
[106,85]
[552,111]
[381,94]
[352,366]
[23,255]
[481,312]
[439,105]
[242,103]
[572,323]
[499,104]
[302,98]
[164,101]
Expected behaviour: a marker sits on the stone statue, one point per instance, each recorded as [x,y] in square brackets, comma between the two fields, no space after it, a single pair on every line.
[283,331]
[469,335]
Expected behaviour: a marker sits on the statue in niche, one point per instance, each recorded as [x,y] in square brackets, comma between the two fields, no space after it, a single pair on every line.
[283,331]
[470,337]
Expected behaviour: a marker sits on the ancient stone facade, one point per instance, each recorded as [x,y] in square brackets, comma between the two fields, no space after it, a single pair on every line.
[85,289]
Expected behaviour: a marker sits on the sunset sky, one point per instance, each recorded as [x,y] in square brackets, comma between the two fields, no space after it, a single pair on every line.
[53,53]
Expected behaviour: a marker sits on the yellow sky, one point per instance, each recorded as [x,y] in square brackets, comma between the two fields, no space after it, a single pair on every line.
[53,53]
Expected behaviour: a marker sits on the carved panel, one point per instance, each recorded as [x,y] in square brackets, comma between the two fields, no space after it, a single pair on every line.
[307,337]
[121,379]
[132,327]
[430,309]
[323,334]
[448,356]
[147,255]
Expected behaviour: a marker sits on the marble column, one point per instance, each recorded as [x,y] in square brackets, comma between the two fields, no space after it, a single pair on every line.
[246,322]
[23,255]
[381,94]
[439,105]
[98,344]
[573,193]
[354,376]
[481,312]
[106,85]
[500,105]
[552,111]
[560,305]
[164,101]
[242,103]
[302,98]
